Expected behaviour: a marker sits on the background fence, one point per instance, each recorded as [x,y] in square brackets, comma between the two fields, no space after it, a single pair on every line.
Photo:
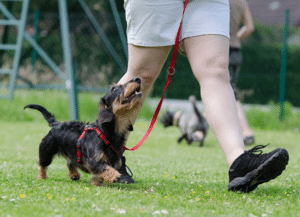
[95,67]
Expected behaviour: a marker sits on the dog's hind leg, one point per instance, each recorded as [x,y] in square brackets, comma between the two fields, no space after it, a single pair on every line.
[42,172]
[201,142]
[199,136]
[73,172]
[189,141]
[47,151]
[184,136]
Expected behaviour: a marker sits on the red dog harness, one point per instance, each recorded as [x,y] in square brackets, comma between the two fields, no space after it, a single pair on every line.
[100,134]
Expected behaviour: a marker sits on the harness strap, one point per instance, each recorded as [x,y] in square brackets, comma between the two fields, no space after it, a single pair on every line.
[170,74]
[100,134]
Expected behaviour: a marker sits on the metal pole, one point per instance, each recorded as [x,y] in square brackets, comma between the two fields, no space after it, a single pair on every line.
[283,63]
[102,35]
[119,26]
[70,82]
[16,61]
[34,56]
[36,46]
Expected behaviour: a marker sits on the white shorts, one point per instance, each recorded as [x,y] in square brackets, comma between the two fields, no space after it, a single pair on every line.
[153,23]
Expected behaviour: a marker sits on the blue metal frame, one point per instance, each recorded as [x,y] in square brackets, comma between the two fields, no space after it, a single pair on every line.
[34,54]
[283,63]
[20,24]
[38,48]
[102,35]
[119,26]
[70,82]
[69,78]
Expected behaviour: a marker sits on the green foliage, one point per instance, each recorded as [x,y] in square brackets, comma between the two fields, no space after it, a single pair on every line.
[57,103]
[259,76]
[54,101]
[183,83]
[268,119]
[258,80]
[261,70]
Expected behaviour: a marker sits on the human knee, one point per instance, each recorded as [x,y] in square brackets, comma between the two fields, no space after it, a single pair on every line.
[148,75]
[215,68]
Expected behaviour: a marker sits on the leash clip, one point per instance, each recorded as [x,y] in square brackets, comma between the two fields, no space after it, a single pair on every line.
[88,127]
[170,70]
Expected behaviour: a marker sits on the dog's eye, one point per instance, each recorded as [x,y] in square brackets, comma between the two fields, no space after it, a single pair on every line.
[113,88]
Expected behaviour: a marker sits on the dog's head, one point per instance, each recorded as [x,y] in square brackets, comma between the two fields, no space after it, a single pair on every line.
[119,103]
[167,119]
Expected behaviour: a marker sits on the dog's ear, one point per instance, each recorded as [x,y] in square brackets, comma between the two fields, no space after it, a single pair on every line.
[104,114]
[130,127]
[102,102]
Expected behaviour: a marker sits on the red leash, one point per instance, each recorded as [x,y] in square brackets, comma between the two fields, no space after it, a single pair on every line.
[170,74]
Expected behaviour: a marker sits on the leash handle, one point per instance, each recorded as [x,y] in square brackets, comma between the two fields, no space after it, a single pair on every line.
[170,74]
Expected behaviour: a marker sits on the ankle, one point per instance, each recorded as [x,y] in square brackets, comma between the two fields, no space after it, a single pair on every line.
[246,134]
[234,156]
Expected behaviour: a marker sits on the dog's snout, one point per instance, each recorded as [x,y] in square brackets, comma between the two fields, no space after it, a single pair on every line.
[137,80]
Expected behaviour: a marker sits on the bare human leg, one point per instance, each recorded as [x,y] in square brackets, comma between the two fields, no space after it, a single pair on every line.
[145,63]
[208,57]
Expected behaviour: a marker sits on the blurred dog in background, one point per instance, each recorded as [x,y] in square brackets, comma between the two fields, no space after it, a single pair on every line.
[193,126]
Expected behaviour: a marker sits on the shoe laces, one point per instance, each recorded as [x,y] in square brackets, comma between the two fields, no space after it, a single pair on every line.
[257,149]
[131,174]
[124,168]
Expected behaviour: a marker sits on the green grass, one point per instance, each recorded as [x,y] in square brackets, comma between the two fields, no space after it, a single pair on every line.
[57,103]
[183,180]
[269,120]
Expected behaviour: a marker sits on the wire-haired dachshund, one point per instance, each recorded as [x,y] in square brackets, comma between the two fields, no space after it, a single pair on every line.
[193,126]
[93,148]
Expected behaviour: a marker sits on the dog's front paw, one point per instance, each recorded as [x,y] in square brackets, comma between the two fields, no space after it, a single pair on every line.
[95,181]
[40,177]
[74,177]
[117,180]
[108,176]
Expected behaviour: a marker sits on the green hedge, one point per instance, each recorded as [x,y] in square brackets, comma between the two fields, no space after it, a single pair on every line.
[259,76]
[183,83]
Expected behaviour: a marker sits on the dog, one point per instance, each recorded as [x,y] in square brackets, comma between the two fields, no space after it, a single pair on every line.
[193,126]
[94,148]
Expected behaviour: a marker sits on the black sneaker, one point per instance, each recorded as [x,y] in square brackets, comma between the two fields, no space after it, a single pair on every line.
[125,177]
[249,169]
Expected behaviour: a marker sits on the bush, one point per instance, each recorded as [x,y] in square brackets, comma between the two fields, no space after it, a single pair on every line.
[259,76]
[269,119]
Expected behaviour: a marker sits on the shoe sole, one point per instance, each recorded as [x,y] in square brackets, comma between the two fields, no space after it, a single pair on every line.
[267,171]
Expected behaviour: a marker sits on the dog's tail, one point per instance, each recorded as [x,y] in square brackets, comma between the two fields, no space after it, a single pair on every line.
[47,115]
[193,100]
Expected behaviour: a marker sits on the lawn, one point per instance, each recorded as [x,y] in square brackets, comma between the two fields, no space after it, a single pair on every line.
[176,179]
[172,179]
